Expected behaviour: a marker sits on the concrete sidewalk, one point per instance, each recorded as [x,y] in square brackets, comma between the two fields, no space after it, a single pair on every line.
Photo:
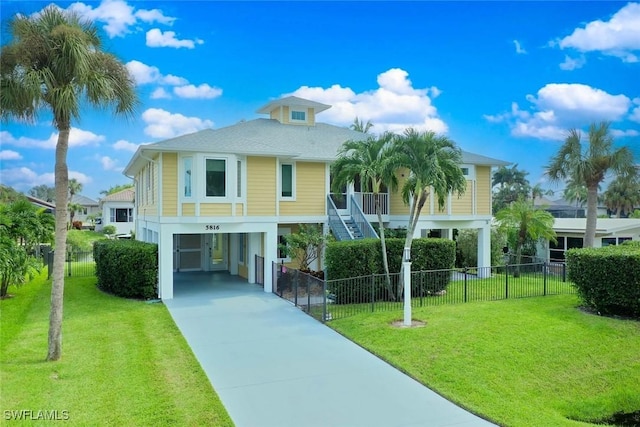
[274,366]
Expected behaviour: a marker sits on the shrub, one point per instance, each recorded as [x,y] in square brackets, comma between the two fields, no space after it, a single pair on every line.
[357,258]
[109,229]
[127,268]
[607,279]
[77,225]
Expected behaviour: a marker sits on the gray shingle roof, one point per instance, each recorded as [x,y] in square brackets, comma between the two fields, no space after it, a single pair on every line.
[79,199]
[293,101]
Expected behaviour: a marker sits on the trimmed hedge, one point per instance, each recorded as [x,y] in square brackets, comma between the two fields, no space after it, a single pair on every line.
[358,258]
[607,279]
[127,268]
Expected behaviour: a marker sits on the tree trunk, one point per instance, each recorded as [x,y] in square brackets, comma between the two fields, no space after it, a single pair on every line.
[385,261]
[592,215]
[57,287]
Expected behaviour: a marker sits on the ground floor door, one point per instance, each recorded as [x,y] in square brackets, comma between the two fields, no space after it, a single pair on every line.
[217,246]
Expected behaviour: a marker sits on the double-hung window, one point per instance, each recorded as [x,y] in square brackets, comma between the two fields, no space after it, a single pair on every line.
[216,178]
[298,116]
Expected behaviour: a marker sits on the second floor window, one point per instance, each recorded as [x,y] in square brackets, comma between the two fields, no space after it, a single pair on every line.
[187,177]
[286,180]
[216,179]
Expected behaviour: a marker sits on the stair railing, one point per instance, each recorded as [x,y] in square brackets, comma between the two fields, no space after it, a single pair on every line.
[336,223]
[361,221]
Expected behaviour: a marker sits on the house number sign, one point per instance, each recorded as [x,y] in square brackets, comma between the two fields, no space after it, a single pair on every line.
[209,227]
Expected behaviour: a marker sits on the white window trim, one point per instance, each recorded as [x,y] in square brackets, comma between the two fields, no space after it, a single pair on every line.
[283,231]
[182,181]
[291,198]
[472,171]
[203,174]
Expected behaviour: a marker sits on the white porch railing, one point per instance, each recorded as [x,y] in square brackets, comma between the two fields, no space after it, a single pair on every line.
[367,203]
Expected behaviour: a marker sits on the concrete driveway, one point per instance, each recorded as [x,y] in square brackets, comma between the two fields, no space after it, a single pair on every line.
[274,366]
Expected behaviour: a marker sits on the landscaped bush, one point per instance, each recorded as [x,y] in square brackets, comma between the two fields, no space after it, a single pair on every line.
[607,279]
[109,229]
[77,225]
[356,258]
[127,268]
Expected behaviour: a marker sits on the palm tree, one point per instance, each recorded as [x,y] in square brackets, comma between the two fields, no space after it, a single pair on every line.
[589,165]
[525,221]
[359,126]
[75,187]
[623,194]
[433,162]
[116,189]
[374,161]
[513,185]
[54,62]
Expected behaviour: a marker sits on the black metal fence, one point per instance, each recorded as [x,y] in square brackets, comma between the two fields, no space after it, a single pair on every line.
[77,263]
[334,299]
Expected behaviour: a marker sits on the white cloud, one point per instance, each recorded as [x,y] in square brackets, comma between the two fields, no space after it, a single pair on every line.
[619,133]
[519,49]
[163,124]
[558,107]
[395,105]
[124,145]
[23,178]
[77,138]
[160,93]
[570,64]
[110,164]
[80,177]
[203,91]
[157,38]
[10,155]
[635,115]
[619,36]
[146,74]
[118,16]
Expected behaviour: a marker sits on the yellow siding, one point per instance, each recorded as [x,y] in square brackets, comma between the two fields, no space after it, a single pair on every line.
[285,115]
[311,117]
[483,190]
[309,190]
[396,205]
[261,186]
[275,113]
[170,184]
[188,209]
[243,271]
[147,199]
[463,205]
[215,209]
[239,209]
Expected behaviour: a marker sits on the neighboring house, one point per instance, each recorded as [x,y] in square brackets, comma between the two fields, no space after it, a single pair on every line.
[49,207]
[89,207]
[218,199]
[118,210]
[561,208]
[570,234]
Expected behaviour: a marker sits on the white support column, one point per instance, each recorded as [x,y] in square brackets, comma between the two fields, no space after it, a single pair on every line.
[484,251]
[254,242]
[448,233]
[233,253]
[165,265]
[406,273]
[270,239]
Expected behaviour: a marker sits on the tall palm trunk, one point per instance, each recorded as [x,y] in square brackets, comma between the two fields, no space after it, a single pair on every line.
[57,287]
[592,215]
[385,261]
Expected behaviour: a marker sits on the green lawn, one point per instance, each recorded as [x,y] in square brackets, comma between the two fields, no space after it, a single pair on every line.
[124,362]
[526,362]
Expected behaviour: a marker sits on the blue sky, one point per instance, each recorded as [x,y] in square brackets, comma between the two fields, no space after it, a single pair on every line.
[502,79]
